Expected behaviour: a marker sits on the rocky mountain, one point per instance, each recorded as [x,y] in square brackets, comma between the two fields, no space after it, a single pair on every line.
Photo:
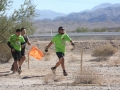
[104,5]
[101,16]
[47,14]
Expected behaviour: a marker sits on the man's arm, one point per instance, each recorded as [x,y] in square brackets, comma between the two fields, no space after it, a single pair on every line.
[23,45]
[8,43]
[72,44]
[28,41]
[46,48]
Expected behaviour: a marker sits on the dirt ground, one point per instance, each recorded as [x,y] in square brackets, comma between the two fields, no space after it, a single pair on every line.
[95,74]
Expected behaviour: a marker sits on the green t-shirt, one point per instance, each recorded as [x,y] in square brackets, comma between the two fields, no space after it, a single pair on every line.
[60,42]
[16,41]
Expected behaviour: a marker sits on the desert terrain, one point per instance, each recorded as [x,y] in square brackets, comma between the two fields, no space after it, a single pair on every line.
[85,71]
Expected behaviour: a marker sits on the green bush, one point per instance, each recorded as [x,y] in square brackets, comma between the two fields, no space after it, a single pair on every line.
[99,30]
[82,29]
[8,24]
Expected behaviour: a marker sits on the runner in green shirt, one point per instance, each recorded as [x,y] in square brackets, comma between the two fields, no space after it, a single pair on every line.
[60,43]
[16,42]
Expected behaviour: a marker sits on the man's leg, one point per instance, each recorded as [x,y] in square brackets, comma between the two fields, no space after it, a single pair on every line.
[63,67]
[21,61]
[60,56]
[62,63]
[12,68]
[15,66]
[58,63]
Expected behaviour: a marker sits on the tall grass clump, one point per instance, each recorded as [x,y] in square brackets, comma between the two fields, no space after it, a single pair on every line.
[88,76]
[104,51]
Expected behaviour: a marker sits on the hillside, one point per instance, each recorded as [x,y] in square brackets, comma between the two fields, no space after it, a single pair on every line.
[99,15]
[47,14]
[99,18]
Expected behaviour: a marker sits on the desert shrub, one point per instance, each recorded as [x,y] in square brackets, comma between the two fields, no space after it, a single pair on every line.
[88,76]
[52,78]
[99,59]
[117,29]
[5,54]
[23,17]
[115,62]
[99,30]
[82,29]
[104,51]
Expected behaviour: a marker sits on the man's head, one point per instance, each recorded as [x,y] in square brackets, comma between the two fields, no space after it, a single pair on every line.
[61,30]
[18,32]
[23,31]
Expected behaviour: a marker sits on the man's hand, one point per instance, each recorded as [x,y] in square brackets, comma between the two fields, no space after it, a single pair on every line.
[13,50]
[29,44]
[22,46]
[46,49]
[73,46]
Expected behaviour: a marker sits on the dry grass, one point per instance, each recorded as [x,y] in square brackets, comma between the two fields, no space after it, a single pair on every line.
[52,78]
[49,78]
[5,54]
[72,58]
[115,62]
[47,56]
[88,76]
[99,59]
[104,51]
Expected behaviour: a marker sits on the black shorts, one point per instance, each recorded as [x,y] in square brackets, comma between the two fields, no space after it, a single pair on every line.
[23,52]
[16,55]
[60,54]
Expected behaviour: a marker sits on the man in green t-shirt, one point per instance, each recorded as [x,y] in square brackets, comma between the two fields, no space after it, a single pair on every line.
[60,43]
[16,42]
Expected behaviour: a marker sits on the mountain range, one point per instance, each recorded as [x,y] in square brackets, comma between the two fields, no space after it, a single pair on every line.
[103,15]
[47,14]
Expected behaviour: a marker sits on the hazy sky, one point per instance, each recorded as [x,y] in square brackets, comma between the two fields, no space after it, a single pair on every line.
[65,6]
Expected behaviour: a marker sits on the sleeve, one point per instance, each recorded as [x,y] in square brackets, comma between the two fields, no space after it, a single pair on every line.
[22,41]
[68,38]
[9,42]
[27,38]
[53,39]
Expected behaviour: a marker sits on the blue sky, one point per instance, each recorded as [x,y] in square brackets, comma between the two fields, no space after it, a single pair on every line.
[65,6]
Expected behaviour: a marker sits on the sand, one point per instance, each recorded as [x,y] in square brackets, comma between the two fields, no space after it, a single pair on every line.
[96,74]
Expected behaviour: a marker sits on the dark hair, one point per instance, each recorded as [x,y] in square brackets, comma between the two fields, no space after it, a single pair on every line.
[22,29]
[60,28]
[18,30]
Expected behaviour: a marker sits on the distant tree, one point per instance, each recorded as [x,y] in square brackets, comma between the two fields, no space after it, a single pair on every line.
[99,30]
[117,29]
[19,18]
[23,17]
[82,29]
